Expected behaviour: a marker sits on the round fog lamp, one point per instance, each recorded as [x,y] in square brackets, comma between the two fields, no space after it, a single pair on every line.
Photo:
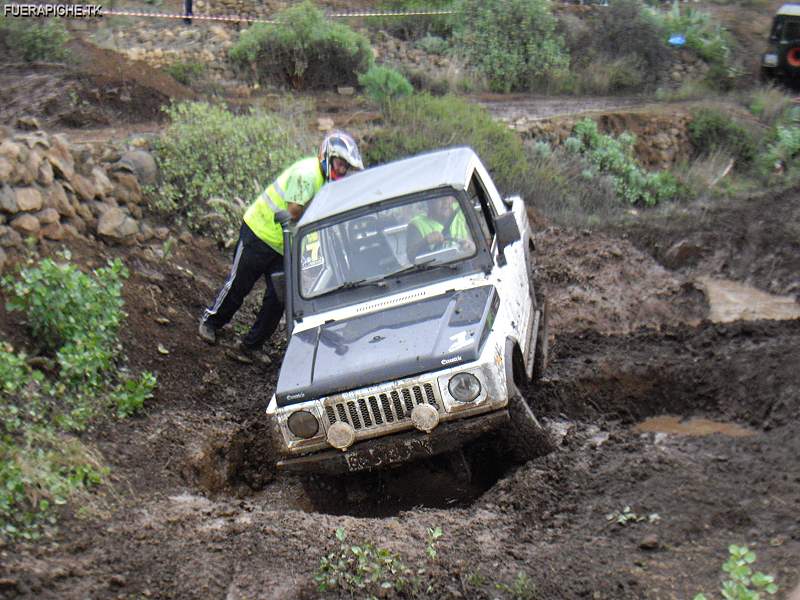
[464,387]
[303,424]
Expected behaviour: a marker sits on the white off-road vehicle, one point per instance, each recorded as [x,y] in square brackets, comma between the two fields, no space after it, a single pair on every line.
[411,315]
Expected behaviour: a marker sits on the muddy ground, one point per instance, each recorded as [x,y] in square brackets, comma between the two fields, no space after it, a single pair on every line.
[195,509]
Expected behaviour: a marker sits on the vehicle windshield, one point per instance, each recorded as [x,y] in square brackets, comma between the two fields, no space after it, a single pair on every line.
[367,249]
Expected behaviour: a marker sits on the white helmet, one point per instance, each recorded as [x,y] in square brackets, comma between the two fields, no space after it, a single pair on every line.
[341,145]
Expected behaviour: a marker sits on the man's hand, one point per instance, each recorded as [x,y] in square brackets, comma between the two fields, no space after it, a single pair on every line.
[296,210]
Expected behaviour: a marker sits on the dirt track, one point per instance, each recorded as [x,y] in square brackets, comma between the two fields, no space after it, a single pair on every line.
[195,510]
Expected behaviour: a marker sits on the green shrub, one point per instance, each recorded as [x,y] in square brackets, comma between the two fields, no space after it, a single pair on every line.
[74,318]
[37,40]
[415,27]
[303,49]
[784,144]
[433,44]
[422,123]
[769,103]
[186,72]
[513,43]
[383,84]
[212,164]
[614,157]
[712,129]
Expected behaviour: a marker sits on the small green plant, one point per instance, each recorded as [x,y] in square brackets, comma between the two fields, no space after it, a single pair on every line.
[522,588]
[742,583]
[513,43]
[433,44]
[628,516]
[186,72]
[303,49]
[383,84]
[363,569]
[434,534]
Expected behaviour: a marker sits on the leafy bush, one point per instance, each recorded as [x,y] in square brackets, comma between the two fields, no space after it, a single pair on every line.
[74,317]
[785,142]
[383,84]
[43,40]
[513,43]
[213,162]
[303,49]
[712,129]
[186,72]
[742,583]
[769,103]
[433,44]
[614,157]
[415,27]
[421,123]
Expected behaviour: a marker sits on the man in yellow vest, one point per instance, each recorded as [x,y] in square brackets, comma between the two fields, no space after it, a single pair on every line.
[444,221]
[259,251]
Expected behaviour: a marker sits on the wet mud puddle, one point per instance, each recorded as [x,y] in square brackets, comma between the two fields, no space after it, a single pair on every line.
[733,301]
[692,427]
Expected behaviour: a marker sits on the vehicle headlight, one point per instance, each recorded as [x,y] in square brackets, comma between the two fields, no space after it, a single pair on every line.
[464,387]
[303,424]
[770,59]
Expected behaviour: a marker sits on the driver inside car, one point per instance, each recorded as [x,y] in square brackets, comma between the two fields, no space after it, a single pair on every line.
[443,224]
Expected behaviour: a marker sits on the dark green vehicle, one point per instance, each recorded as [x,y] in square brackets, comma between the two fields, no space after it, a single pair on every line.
[781,61]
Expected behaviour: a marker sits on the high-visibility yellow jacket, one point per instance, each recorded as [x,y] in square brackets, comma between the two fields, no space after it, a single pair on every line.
[298,184]
[457,230]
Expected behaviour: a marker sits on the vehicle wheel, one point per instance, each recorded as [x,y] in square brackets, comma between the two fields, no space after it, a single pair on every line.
[526,439]
[542,352]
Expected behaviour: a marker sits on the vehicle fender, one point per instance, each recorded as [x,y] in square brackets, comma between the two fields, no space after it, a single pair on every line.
[508,365]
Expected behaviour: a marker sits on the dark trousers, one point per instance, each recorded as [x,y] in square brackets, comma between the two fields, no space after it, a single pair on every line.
[253,258]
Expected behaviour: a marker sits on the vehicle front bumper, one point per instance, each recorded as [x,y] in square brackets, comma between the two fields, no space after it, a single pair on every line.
[398,448]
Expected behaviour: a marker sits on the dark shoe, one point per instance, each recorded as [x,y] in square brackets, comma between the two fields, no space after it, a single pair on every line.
[207,332]
[249,356]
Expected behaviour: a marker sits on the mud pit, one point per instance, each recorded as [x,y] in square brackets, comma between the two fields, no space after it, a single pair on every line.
[194,508]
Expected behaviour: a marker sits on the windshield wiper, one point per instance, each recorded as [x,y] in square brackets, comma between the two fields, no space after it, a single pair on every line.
[424,265]
[349,285]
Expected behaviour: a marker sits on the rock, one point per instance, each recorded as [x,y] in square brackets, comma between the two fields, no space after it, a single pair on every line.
[161,233]
[28,198]
[8,199]
[101,181]
[345,90]
[98,208]
[70,230]
[185,237]
[47,216]
[127,188]
[53,231]
[135,210]
[141,164]
[26,224]
[45,174]
[28,123]
[682,253]
[59,200]
[76,222]
[117,581]
[83,187]
[9,237]
[649,542]
[6,169]
[60,157]
[324,124]
[115,225]
[31,140]
[84,212]
[146,232]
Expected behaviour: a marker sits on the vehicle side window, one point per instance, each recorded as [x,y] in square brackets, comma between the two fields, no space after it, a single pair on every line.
[483,209]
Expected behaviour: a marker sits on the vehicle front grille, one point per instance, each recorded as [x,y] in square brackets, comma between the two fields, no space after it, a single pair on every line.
[385,408]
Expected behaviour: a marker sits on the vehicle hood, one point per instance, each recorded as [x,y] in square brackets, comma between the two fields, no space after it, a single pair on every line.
[378,347]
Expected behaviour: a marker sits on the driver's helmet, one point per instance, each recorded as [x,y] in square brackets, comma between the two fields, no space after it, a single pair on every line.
[338,143]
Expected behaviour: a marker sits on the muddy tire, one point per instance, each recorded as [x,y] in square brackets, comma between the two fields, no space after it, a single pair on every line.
[525,438]
[542,352]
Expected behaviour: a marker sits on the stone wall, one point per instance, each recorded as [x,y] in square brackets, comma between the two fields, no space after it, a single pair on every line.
[52,189]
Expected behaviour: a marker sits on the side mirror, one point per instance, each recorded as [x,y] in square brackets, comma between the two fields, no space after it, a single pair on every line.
[508,201]
[279,283]
[507,230]
[283,217]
